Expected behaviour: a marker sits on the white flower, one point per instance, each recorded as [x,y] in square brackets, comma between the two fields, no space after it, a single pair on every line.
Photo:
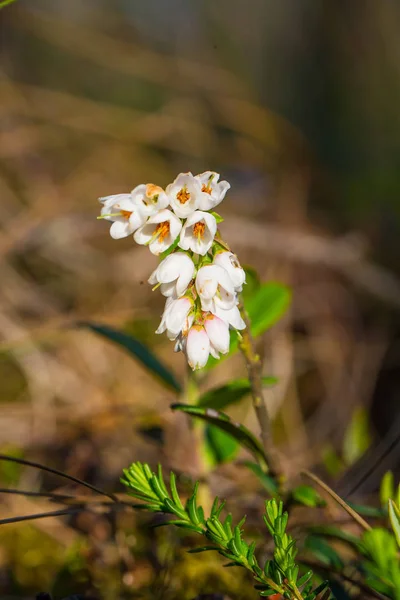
[218,333]
[160,231]
[125,214]
[213,191]
[198,232]
[149,198]
[230,263]
[174,274]
[215,288]
[184,195]
[231,316]
[197,347]
[177,317]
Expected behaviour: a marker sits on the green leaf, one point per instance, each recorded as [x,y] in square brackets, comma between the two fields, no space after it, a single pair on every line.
[252,285]
[217,217]
[333,532]
[138,350]
[169,250]
[387,488]
[5,3]
[367,511]
[305,494]
[220,446]
[267,481]
[267,306]
[230,393]
[222,421]
[394,516]
[264,308]
[323,551]
[357,437]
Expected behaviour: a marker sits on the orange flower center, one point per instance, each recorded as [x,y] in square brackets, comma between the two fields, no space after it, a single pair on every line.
[126,214]
[153,191]
[199,229]
[183,196]
[162,230]
[206,188]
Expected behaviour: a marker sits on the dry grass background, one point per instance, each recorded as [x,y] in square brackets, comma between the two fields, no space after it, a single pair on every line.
[67,137]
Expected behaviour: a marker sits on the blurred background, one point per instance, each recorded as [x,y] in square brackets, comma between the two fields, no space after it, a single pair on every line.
[296,104]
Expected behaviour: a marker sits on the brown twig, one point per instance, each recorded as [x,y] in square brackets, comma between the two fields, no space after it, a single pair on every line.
[338,499]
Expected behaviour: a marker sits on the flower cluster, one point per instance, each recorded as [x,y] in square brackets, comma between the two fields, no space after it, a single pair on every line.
[198,274]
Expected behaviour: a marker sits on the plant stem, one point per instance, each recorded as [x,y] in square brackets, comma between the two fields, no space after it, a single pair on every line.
[254,367]
[358,518]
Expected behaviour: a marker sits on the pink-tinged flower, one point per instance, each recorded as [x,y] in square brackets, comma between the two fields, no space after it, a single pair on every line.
[230,263]
[126,216]
[215,288]
[231,316]
[174,274]
[198,232]
[218,333]
[197,347]
[213,191]
[177,317]
[160,231]
[149,198]
[184,195]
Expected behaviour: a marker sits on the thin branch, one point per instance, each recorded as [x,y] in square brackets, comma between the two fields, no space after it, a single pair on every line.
[22,461]
[338,499]
[54,513]
[254,366]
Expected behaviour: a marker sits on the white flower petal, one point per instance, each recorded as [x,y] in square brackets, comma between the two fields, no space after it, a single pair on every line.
[197,347]
[119,230]
[231,316]
[184,195]
[198,232]
[218,332]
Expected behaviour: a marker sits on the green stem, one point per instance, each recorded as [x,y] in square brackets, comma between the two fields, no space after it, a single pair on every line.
[254,368]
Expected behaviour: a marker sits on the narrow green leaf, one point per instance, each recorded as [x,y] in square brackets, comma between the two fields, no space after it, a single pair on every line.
[169,250]
[5,3]
[203,549]
[323,551]
[386,490]
[357,436]
[221,420]
[230,393]
[394,516]
[308,496]
[267,306]
[174,491]
[219,446]
[267,481]
[217,217]
[138,350]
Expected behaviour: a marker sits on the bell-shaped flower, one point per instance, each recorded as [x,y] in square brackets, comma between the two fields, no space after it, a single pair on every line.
[218,333]
[231,316]
[126,216]
[173,274]
[177,317]
[184,195]
[159,232]
[149,198]
[230,263]
[213,191]
[198,232]
[215,288]
[197,347]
